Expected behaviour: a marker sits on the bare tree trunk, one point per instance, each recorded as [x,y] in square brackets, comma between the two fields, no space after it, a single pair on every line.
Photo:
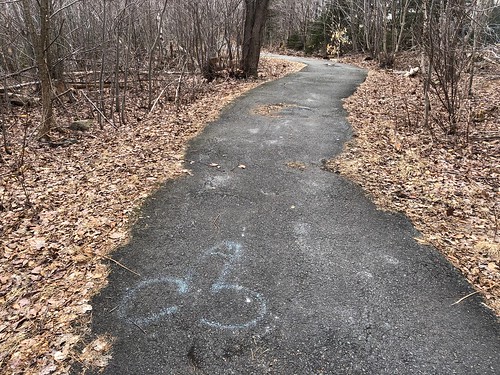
[477,18]
[116,84]
[367,30]
[426,62]
[102,112]
[402,25]
[151,53]
[41,47]
[353,25]
[127,66]
[5,109]
[255,20]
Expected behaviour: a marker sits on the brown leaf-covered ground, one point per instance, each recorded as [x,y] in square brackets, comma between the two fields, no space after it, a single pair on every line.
[447,185]
[64,209]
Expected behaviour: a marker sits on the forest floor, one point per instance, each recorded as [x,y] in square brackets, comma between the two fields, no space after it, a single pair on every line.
[447,185]
[65,205]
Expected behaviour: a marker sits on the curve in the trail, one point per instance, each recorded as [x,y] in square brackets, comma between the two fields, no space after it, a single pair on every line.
[282,267]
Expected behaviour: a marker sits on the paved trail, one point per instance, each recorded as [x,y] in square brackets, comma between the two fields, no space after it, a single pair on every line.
[282,267]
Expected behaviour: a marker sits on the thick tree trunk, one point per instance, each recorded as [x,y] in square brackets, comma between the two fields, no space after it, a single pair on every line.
[255,20]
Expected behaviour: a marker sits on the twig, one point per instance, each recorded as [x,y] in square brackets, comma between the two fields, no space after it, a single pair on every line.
[215,222]
[467,296]
[178,89]
[64,7]
[496,224]
[487,138]
[491,60]
[18,72]
[138,326]
[20,164]
[97,109]
[4,122]
[158,98]
[63,93]
[6,88]
[118,263]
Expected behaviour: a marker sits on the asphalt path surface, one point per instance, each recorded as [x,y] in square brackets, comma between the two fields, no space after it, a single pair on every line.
[262,262]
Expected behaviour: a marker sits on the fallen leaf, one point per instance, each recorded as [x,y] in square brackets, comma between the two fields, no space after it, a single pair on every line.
[37,243]
[82,309]
[48,369]
[23,302]
[117,235]
[60,355]
[492,266]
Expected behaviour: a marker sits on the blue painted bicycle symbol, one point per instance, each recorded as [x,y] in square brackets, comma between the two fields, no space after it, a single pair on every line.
[231,306]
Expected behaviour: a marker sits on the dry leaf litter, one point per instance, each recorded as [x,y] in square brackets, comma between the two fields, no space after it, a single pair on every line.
[64,209]
[448,186]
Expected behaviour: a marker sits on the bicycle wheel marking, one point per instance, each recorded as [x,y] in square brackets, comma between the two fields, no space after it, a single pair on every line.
[231,252]
[182,288]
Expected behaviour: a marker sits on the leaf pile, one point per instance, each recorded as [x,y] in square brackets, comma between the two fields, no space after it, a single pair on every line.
[64,209]
[448,186]
[271,110]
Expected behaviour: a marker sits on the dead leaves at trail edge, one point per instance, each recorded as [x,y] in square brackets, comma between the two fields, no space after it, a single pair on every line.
[68,208]
[449,191]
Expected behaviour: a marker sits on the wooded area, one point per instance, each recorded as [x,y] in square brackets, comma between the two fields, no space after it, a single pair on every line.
[109,48]
[89,89]
[53,49]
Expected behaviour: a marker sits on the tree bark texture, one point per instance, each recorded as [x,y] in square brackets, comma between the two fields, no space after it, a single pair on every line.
[41,46]
[255,20]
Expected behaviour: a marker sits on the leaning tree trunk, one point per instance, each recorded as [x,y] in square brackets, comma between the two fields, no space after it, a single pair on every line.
[255,20]
[41,47]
